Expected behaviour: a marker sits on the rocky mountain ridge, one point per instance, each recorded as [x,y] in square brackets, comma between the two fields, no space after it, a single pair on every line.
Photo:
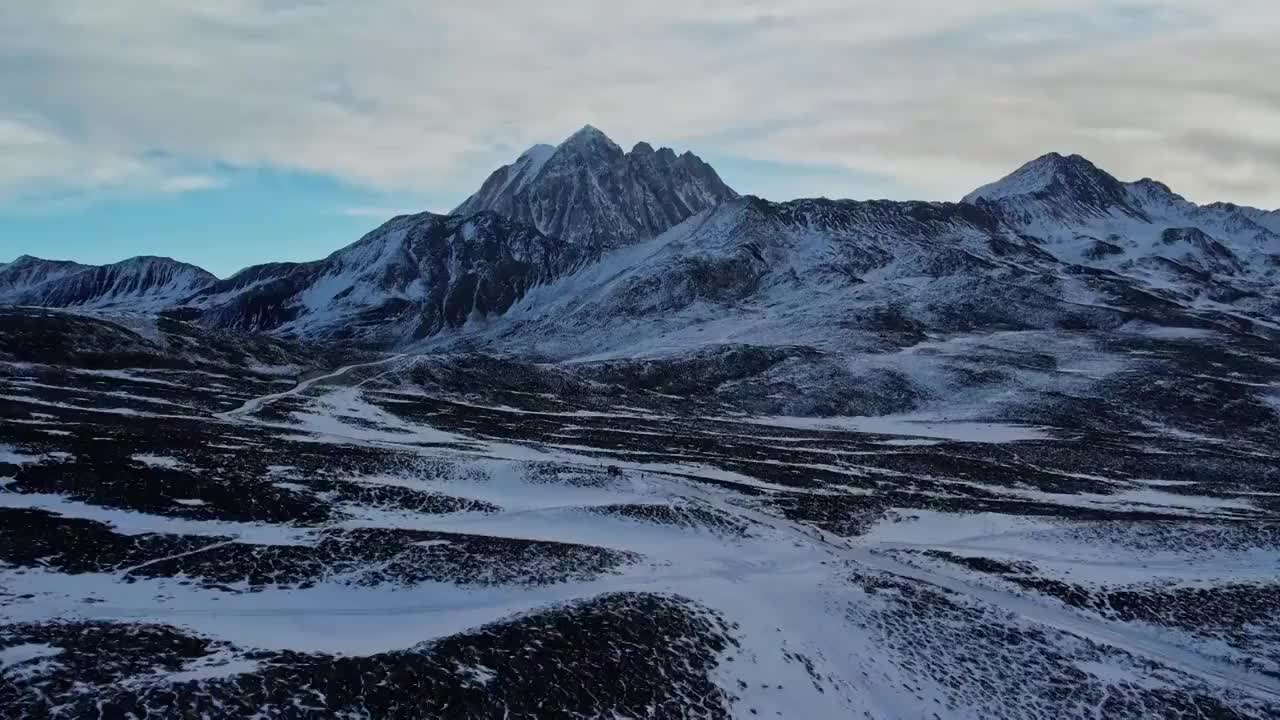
[139,283]
[648,241]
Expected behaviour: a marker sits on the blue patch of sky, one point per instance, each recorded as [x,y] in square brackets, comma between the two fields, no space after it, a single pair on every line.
[265,215]
[254,216]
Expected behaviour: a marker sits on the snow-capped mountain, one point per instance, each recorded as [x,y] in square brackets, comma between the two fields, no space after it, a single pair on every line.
[588,192]
[1067,188]
[140,283]
[1088,217]
[411,277]
[1218,258]
[597,248]
[553,210]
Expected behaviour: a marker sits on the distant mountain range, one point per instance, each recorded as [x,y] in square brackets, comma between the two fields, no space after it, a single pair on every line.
[583,245]
[140,283]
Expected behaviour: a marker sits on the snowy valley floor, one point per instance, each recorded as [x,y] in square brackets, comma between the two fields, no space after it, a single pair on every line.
[185,543]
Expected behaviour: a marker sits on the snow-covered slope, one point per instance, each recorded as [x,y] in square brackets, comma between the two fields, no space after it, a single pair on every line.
[588,192]
[411,277]
[837,275]
[1269,219]
[140,283]
[510,179]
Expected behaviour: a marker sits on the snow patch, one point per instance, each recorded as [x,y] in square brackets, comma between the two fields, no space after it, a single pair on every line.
[12,456]
[158,461]
[19,654]
[213,667]
[913,425]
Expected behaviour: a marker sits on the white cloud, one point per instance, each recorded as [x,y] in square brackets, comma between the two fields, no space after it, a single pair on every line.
[38,162]
[940,96]
[190,183]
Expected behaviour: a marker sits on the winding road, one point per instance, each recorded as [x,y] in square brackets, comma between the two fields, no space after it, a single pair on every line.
[255,404]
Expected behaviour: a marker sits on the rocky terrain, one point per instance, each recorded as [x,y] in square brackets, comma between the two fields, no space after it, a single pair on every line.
[409,279]
[1013,457]
[471,536]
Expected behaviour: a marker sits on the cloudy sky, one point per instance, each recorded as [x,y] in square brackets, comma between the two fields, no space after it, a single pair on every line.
[242,131]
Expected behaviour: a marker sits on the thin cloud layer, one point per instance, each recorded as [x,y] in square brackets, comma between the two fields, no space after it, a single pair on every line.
[936,96]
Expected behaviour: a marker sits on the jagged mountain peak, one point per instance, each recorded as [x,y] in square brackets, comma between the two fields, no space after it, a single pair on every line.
[1058,162]
[588,146]
[589,192]
[1067,162]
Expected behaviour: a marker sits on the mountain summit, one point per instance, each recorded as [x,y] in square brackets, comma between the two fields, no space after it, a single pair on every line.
[1084,215]
[588,191]
[1064,186]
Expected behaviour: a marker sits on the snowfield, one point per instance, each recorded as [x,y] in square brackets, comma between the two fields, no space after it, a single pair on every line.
[392,538]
